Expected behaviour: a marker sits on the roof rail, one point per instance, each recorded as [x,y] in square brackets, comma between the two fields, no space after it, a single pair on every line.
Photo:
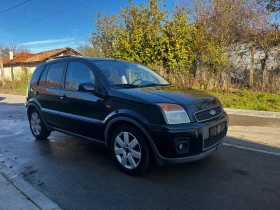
[62,56]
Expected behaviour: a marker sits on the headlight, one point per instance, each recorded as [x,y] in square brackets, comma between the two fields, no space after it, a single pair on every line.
[174,114]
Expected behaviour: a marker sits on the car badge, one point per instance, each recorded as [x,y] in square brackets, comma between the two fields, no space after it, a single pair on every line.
[212,112]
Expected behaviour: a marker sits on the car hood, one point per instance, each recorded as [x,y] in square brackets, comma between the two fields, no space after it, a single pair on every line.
[192,100]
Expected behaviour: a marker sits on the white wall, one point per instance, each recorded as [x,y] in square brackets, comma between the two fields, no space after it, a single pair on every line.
[16,71]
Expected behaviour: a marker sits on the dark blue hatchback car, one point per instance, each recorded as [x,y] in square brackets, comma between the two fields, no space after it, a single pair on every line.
[127,107]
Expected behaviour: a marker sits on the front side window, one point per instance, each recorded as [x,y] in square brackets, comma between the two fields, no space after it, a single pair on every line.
[119,73]
[78,73]
[55,75]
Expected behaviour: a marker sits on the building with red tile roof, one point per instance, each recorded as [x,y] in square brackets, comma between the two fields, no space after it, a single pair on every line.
[16,65]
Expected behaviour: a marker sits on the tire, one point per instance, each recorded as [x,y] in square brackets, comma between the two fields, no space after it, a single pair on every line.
[37,126]
[130,150]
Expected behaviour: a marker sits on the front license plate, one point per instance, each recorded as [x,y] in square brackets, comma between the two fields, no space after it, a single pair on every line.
[217,129]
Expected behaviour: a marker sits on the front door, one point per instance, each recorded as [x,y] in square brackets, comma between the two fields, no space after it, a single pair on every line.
[83,111]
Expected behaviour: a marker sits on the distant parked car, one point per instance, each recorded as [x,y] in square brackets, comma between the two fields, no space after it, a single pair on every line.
[127,107]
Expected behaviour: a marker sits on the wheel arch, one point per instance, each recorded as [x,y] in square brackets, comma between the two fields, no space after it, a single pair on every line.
[34,104]
[114,123]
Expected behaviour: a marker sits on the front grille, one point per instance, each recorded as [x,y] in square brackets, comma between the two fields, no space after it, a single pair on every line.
[208,114]
[207,143]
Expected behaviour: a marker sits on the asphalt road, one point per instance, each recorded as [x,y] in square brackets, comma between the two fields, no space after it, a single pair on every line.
[78,174]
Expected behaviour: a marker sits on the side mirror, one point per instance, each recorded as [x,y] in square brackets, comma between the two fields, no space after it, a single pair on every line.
[87,87]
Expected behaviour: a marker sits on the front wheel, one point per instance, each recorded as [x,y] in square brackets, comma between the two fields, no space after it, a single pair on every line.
[131,152]
[37,126]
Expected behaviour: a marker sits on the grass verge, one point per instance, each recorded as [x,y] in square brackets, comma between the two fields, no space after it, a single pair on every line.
[236,99]
[17,87]
[16,90]
[250,100]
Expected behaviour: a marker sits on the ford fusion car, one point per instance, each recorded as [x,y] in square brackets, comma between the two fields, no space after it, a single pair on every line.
[126,107]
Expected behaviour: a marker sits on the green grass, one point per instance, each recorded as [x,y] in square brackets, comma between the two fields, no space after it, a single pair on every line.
[250,100]
[17,87]
[237,99]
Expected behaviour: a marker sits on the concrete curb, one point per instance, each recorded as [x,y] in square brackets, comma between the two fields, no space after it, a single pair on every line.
[253,113]
[39,199]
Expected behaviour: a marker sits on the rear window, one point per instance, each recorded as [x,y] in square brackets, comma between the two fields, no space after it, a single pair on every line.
[55,75]
[36,75]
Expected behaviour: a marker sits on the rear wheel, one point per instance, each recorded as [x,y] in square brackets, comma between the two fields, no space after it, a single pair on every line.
[131,152]
[37,126]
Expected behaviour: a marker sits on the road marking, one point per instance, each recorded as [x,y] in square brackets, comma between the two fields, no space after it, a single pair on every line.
[252,149]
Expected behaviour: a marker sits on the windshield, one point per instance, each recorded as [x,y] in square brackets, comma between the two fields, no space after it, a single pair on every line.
[129,75]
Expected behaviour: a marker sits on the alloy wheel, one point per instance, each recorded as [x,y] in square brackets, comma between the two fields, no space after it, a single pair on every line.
[127,150]
[35,123]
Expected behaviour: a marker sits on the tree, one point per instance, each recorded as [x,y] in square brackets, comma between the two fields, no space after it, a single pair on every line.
[266,41]
[151,35]
[271,5]
[230,21]
[15,48]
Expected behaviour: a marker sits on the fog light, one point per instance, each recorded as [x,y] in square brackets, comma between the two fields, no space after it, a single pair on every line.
[181,146]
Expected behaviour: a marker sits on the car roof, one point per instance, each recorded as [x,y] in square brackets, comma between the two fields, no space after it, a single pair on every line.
[53,59]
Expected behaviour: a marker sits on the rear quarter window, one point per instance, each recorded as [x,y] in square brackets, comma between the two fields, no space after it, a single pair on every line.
[36,75]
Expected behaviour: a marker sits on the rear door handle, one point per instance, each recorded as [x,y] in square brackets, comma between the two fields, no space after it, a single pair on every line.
[63,98]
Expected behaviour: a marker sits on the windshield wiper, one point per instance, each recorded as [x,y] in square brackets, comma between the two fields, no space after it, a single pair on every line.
[153,85]
[126,85]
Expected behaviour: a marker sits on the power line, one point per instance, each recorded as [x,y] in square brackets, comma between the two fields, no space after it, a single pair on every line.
[8,4]
[14,7]
[43,17]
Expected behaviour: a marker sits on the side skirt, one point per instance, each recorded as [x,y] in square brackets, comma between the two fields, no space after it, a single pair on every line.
[80,136]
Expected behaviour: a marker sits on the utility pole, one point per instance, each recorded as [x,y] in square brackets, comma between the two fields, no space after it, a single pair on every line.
[1,67]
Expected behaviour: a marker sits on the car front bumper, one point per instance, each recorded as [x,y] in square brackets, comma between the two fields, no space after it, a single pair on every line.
[164,140]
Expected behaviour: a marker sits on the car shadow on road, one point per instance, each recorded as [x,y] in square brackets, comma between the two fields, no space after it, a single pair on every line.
[10,104]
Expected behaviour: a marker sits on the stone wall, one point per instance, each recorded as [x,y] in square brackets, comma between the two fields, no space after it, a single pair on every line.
[240,61]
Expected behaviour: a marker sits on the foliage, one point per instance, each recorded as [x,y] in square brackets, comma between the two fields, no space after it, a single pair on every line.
[272,5]
[17,86]
[230,21]
[153,36]
[188,44]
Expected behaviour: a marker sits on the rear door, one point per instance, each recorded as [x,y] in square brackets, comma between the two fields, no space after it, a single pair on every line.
[83,111]
[48,91]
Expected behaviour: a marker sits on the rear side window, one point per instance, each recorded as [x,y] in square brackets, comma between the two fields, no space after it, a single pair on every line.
[55,75]
[36,75]
[43,77]
[78,73]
